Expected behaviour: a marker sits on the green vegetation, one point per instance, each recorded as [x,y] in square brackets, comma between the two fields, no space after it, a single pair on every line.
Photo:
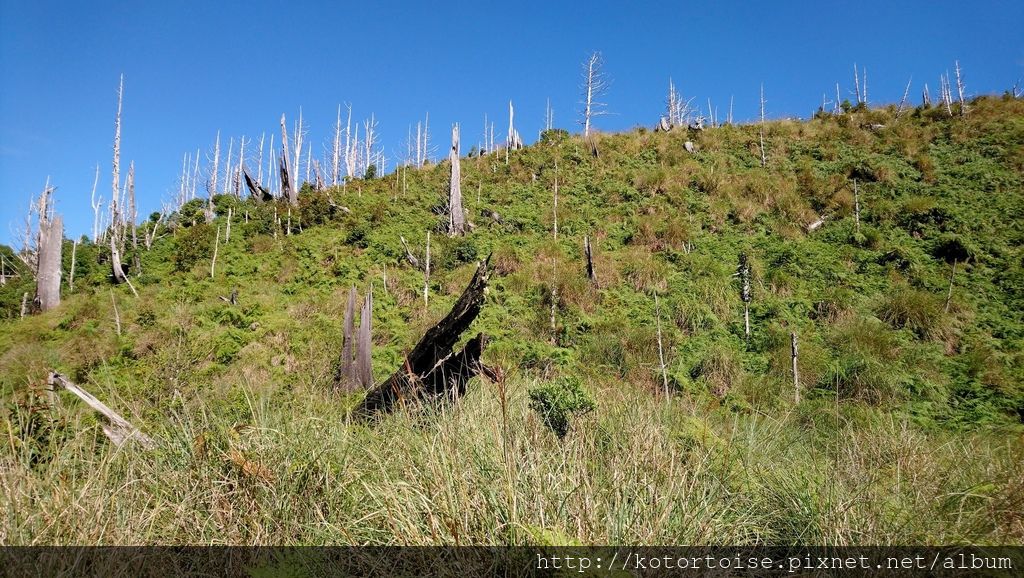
[908,429]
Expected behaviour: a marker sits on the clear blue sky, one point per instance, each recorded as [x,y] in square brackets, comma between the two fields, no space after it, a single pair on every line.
[193,68]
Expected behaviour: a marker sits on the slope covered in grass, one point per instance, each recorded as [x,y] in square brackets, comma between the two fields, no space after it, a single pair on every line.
[908,427]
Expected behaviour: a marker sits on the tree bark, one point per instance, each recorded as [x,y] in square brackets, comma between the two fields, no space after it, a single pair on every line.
[51,238]
[432,370]
[456,217]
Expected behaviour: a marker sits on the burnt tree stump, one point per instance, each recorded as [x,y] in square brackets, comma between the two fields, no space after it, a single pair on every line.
[432,370]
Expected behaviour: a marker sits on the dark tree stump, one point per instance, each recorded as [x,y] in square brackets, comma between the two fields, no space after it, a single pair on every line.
[432,370]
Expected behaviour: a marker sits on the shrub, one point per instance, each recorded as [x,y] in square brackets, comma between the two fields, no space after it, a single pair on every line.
[559,401]
[191,245]
[919,311]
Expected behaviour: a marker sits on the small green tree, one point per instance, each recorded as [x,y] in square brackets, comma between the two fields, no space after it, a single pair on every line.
[558,401]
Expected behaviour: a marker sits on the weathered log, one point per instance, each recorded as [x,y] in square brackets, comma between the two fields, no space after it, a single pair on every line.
[118,429]
[344,373]
[51,238]
[432,369]
[663,125]
[688,145]
[816,224]
[408,254]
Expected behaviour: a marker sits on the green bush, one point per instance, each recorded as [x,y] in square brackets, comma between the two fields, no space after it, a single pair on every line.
[559,401]
[193,244]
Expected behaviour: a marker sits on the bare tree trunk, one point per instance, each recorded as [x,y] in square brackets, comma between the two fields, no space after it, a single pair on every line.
[336,152]
[344,374]
[960,90]
[364,360]
[287,178]
[796,371]
[554,207]
[903,101]
[949,294]
[24,304]
[764,159]
[588,251]
[96,204]
[856,82]
[213,261]
[856,205]
[118,429]
[215,172]
[456,216]
[426,276]
[51,239]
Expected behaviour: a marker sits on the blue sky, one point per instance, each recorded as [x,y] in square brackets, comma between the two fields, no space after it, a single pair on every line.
[193,68]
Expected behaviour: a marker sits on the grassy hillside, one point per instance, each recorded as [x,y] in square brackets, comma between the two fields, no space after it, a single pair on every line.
[908,427]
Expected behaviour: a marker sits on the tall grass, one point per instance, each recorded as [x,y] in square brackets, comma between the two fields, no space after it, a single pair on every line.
[638,470]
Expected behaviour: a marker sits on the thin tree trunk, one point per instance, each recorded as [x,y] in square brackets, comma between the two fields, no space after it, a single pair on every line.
[949,294]
[213,261]
[456,216]
[796,371]
[426,275]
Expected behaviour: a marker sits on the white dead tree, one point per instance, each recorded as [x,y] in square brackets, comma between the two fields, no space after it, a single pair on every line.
[764,159]
[297,142]
[212,182]
[116,219]
[336,152]
[960,89]
[456,216]
[903,101]
[50,241]
[96,203]
[513,141]
[369,142]
[549,116]
[595,85]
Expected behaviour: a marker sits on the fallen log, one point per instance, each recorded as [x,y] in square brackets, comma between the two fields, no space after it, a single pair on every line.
[432,370]
[118,429]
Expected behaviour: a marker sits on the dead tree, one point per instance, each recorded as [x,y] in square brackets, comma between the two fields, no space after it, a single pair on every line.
[903,101]
[51,239]
[336,152]
[960,89]
[856,205]
[764,159]
[796,371]
[595,85]
[96,203]
[256,190]
[456,216]
[364,359]
[432,370]
[588,252]
[344,373]
[71,269]
[118,429]
[116,219]
[743,271]
[287,178]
